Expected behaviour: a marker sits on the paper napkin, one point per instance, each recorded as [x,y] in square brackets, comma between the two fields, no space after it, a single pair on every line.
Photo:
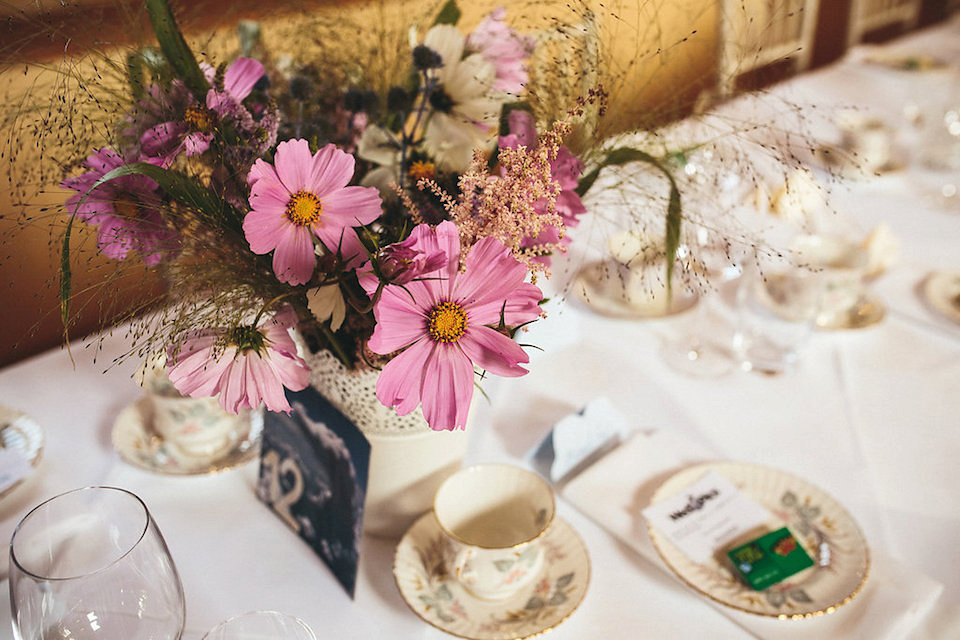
[894,598]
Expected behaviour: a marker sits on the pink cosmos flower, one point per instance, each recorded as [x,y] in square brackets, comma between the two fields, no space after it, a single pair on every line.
[125,210]
[443,321]
[301,197]
[506,49]
[253,368]
[193,131]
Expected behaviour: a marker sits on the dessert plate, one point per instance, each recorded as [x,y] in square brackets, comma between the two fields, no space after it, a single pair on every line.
[602,289]
[21,435]
[140,446]
[866,312]
[434,595]
[825,529]
[942,291]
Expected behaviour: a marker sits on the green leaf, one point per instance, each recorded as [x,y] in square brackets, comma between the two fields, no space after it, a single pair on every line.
[672,233]
[66,279]
[135,74]
[449,14]
[503,565]
[175,48]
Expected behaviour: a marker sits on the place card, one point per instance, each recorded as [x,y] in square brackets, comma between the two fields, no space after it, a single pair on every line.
[13,468]
[314,465]
[707,516]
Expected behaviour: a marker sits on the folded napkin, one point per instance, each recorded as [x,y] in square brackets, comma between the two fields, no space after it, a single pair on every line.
[894,599]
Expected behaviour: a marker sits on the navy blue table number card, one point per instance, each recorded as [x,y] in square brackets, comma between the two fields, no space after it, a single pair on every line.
[313,475]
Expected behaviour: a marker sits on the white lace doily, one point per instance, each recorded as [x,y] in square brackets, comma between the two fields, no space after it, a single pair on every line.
[353,392]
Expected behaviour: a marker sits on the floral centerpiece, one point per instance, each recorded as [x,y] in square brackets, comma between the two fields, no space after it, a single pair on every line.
[403,232]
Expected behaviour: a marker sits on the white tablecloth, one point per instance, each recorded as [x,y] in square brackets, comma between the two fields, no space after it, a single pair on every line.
[872,416]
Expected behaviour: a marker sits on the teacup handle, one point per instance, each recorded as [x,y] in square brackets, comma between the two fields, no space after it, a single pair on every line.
[463,566]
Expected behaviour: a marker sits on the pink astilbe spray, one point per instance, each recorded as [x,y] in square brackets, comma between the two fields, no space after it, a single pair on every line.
[514,205]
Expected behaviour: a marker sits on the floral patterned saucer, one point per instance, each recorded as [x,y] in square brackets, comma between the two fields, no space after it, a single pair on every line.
[827,532]
[140,446]
[942,291]
[421,575]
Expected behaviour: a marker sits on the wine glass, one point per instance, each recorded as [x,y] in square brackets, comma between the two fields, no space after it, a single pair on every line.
[91,563]
[261,625]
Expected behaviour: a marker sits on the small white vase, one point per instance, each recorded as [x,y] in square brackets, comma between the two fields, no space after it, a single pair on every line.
[408,460]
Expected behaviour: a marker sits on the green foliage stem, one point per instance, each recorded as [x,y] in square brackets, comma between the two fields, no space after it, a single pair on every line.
[674,218]
[175,48]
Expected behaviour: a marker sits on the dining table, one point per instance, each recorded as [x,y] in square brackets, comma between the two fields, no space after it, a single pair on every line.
[869,415]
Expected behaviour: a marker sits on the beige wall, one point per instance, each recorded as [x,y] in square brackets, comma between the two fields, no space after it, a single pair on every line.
[657,55]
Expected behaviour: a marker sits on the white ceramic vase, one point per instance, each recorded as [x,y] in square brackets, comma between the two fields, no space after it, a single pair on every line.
[408,460]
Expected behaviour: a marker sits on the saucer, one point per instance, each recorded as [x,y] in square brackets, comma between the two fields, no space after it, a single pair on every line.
[602,290]
[21,434]
[835,157]
[826,530]
[942,291]
[142,448]
[868,311]
[420,571]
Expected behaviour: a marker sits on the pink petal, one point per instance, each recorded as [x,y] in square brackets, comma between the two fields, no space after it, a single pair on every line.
[447,388]
[196,143]
[293,163]
[263,229]
[330,170]
[267,193]
[241,76]
[399,322]
[352,206]
[293,258]
[262,170]
[398,385]
[494,352]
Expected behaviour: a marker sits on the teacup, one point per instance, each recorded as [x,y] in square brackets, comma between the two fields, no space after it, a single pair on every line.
[494,517]
[868,139]
[841,265]
[193,427]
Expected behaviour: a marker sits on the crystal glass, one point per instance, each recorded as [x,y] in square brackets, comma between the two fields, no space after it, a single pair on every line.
[777,305]
[92,564]
[261,625]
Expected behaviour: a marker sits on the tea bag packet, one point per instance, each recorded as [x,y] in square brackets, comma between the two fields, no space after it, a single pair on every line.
[769,559]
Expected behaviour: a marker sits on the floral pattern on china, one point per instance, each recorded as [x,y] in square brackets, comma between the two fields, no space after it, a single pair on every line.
[823,527]
[420,568]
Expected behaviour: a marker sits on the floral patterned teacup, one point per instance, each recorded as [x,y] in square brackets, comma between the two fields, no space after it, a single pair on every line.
[494,517]
[192,427]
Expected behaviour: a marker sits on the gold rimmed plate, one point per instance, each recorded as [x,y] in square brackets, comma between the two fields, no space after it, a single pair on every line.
[868,311]
[22,435]
[434,595]
[604,288]
[137,443]
[827,532]
[941,289]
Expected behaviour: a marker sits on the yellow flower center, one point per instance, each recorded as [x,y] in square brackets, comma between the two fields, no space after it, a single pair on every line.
[447,322]
[420,170]
[304,208]
[198,118]
[126,207]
